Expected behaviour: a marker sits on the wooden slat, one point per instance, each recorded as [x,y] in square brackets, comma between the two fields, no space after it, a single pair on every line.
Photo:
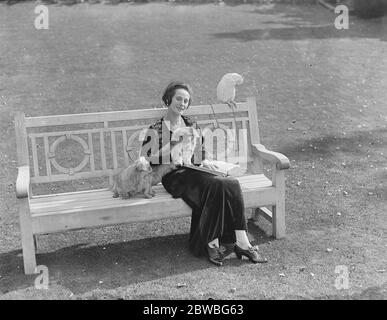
[84,199]
[46,152]
[242,143]
[254,185]
[142,211]
[97,117]
[103,198]
[80,195]
[102,145]
[21,140]
[253,177]
[265,213]
[257,166]
[106,195]
[61,207]
[130,211]
[35,157]
[85,131]
[279,209]
[27,230]
[78,175]
[223,121]
[81,175]
[253,121]
[244,180]
[122,115]
[114,149]
[124,144]
[91,149]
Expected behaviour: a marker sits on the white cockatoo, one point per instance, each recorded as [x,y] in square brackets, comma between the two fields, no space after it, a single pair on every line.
[225,92]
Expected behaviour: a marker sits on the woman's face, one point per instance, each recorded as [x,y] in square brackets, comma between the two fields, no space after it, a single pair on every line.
[179,101]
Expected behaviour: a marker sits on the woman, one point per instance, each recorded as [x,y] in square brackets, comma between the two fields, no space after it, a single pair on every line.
[218,225]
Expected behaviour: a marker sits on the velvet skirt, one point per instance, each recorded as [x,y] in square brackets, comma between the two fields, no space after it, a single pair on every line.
[216,202]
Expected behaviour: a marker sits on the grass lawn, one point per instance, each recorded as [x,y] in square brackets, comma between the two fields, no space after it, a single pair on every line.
[321,97]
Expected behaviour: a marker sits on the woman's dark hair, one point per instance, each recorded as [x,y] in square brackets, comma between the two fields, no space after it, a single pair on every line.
[170,91]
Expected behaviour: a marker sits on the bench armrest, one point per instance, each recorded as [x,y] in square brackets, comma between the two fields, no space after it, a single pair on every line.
[279,159]
[23,182]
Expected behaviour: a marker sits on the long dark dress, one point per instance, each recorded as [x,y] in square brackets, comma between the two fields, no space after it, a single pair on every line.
[216,201]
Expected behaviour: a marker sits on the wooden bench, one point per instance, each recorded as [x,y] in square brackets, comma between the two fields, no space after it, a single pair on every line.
[82,151]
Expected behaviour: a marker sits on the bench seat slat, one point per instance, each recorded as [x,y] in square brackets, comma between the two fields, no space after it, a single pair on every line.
[89,209]
[60,202]
[82,196]
[78,204]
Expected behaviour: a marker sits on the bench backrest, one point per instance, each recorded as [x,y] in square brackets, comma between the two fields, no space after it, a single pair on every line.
[102,142]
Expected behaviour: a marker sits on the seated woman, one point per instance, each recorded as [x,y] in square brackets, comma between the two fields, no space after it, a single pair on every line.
[218,224]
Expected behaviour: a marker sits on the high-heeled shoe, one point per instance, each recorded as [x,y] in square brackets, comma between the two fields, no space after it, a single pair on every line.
[227,249]
[251,253]
[215,256]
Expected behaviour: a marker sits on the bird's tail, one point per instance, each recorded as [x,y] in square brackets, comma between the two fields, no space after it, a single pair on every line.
[233,106]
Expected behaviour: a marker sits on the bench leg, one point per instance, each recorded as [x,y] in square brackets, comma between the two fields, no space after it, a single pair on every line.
[27,237]
[278,213]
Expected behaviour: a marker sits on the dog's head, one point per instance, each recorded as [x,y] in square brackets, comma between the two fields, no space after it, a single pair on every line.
[142,164]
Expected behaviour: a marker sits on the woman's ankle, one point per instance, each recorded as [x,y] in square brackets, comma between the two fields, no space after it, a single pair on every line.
[242,240]
[243,245]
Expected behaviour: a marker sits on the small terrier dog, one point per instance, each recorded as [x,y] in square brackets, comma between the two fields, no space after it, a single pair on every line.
[135,179]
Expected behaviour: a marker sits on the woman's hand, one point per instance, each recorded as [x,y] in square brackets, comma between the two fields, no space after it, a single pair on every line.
[209,165]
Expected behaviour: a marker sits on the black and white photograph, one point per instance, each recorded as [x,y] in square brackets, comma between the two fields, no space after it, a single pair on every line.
[193,156]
